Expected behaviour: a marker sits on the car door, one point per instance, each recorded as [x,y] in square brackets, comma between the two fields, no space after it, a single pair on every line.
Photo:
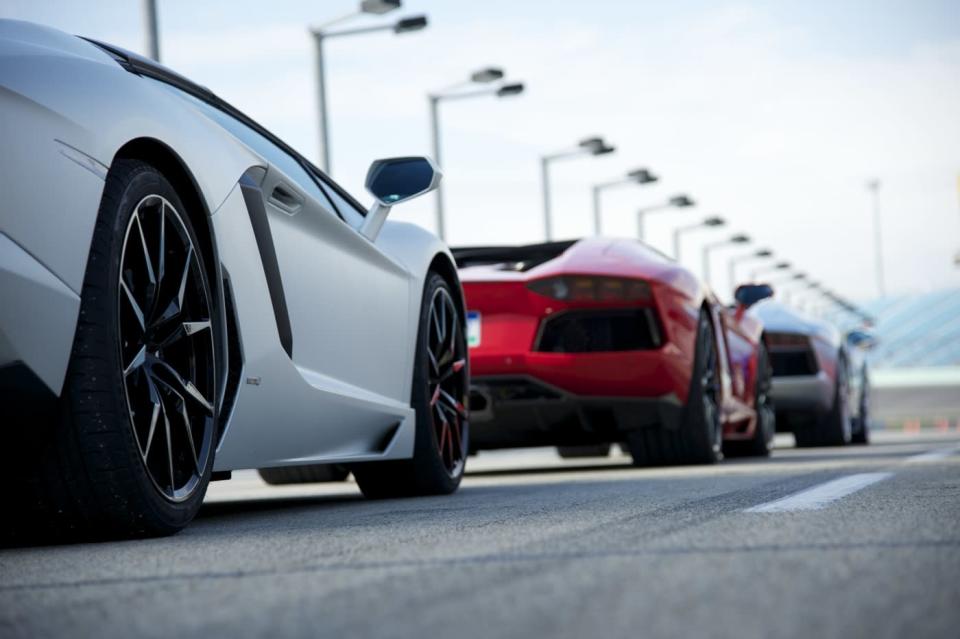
[347,301]
[333,385]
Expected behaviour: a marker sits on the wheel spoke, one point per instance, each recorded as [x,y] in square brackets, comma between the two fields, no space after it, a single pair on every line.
[153,429]
[137,311]
[434,366]
[182,387]
[137,361]
[186,424]
[454,368]
[452,403]
[166,427]
[146,252]
[183,279]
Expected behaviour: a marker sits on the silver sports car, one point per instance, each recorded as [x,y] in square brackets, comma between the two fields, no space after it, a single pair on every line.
[184,295]
[820,379]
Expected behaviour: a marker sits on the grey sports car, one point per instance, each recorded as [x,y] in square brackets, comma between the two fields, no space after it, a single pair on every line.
[821,386]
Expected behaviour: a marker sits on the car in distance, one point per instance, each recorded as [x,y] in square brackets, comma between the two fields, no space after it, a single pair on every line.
[185,295]
[584,343]
[821,386]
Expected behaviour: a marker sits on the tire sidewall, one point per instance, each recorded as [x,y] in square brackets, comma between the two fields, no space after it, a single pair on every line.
[137,181]
[429,466]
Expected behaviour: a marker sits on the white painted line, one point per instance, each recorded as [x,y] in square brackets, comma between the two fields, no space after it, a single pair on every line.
[820,496]
[932,455]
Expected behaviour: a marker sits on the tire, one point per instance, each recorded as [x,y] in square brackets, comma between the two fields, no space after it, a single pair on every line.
[861,424]
[441,382]
[761,444]
[579,452]
[309,474]
[86,475]
[699,437]
[834,428]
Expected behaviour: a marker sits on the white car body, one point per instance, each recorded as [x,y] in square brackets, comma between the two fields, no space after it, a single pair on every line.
[342,394]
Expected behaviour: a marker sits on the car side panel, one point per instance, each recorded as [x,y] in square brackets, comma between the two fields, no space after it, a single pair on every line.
[286,414]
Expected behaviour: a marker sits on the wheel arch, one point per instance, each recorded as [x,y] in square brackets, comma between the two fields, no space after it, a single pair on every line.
[445,268]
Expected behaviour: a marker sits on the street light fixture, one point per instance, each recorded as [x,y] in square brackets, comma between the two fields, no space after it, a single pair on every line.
[677,202]
[588,146]
[321,33]
[739,238]
[760,254]
[637,176]
[710,222]
[486,75]
[779,266]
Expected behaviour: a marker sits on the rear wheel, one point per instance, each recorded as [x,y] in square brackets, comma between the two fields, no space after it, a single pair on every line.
[579,452]
[699,438]
[132,450]
[308,474]
[835,427]
[761,443]
[440,390]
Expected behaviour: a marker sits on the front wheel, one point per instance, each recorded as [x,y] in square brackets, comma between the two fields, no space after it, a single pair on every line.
[441,385]
[761,443]
[132,452]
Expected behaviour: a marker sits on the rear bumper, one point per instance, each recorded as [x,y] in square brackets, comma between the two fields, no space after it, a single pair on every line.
[38,317]
[812,393]
[517,411]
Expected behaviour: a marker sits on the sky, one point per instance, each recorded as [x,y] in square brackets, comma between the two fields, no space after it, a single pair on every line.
[774,115]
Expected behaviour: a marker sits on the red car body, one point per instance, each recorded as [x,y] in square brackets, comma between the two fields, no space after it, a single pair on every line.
[592,368]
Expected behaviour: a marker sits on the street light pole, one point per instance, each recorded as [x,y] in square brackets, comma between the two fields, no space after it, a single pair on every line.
[677,201]
[874,187]
[710,222]
[736,239]
[588,146]
[151,29]
[487,75]
[639,176]
[320,35]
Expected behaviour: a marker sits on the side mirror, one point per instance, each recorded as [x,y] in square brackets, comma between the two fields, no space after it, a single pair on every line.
[395,180]
[749,294]
[862,340]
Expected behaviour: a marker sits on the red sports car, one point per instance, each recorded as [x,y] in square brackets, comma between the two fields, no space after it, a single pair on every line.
[585,343]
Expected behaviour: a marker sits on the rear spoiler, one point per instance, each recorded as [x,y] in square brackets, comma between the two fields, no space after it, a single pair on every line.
[529,255]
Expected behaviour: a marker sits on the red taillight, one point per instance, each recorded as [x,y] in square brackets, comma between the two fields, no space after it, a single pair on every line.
[592,288]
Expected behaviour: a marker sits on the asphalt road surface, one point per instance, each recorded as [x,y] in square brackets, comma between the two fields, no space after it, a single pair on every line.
[842,542]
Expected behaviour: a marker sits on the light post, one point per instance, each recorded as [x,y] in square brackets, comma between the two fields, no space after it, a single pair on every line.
[639,176]
[677,201]
[374,7]
[740,238]
[588,146]
[151,30]
[759,254]
[710,222]
[779,266]
[874,187]
[455,92]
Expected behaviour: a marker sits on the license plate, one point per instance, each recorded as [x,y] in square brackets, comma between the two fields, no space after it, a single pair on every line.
[473,329]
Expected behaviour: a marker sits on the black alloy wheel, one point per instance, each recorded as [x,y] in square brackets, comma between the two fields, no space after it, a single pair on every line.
[447,381]
[166,347]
